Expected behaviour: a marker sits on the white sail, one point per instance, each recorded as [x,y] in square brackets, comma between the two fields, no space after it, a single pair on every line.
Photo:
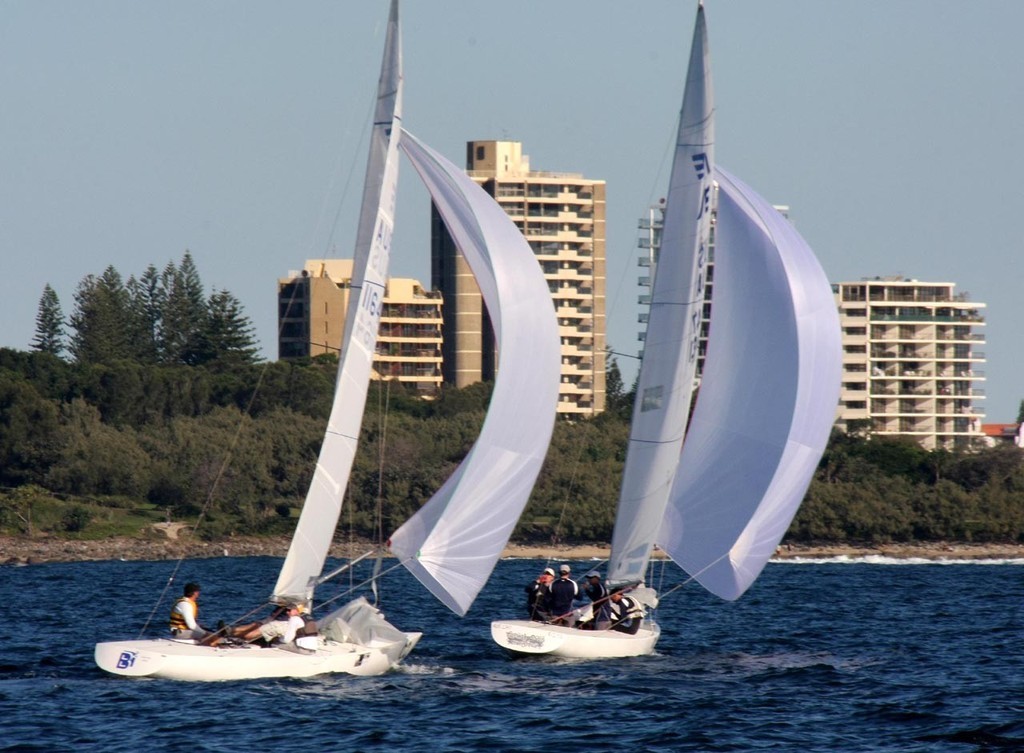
[665,384]
[767,399]
[315,530]
[453,542]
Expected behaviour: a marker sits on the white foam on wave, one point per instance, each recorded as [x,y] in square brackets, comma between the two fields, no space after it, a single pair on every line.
[879,559]
[407,668]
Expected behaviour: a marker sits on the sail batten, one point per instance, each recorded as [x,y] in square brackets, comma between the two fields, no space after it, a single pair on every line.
[453,542]
[322,507]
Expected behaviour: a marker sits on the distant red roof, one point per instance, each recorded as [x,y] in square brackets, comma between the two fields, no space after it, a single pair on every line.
[1000,430]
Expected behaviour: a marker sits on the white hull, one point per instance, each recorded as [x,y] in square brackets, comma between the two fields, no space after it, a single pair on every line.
[175,660]
[538,638]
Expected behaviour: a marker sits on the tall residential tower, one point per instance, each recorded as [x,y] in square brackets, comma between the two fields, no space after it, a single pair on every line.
[562,216]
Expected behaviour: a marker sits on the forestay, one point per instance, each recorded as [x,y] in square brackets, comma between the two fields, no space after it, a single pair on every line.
[665,383]
[767,400]
[453,542]
[315,530]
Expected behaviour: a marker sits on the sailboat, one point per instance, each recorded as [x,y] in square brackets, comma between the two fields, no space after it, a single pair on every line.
[452,543]
[719,503]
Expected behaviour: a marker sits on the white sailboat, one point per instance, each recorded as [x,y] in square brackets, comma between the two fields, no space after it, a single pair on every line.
[719,503]
[452,543]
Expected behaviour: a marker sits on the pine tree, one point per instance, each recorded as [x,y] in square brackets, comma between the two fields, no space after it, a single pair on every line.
[617,401]
[184,313]
[228,335]
[100,322]
[49,324]
[145,304]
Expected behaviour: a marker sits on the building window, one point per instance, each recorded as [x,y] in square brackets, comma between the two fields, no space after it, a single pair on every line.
[480,152]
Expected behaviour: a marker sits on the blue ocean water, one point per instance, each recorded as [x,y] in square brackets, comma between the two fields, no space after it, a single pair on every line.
[815,657]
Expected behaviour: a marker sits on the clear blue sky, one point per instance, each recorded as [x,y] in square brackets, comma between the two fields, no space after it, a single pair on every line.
[133,131]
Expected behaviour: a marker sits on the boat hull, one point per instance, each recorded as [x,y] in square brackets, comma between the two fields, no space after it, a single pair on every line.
[175,660]
[525,637]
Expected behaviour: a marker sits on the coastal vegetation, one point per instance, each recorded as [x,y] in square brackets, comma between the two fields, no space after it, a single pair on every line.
[95,449]
[148,404]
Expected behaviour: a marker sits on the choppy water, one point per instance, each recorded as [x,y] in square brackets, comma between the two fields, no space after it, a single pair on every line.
[838,656]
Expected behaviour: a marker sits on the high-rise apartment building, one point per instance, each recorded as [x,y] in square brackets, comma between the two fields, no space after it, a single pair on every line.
[562,216]
[910,360]
[311,317]
[649,243]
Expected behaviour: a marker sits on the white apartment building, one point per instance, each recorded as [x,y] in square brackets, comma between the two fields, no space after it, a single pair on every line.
[911,364]
[312,305]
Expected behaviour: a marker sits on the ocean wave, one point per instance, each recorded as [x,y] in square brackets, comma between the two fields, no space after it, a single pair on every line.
[880,559]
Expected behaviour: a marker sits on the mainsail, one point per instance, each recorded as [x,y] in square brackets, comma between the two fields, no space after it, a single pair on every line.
[315,530]
[767,401]
[453,542]
[665,384]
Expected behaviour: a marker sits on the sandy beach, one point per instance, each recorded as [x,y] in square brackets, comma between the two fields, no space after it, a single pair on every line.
[167,544]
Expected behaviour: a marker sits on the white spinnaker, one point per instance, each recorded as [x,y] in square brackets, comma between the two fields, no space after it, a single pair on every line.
[767,400]
[453,542]
[315,529]
[665,384]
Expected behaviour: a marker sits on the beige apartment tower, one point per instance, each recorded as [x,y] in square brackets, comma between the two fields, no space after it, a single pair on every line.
[562,216]
[911,364]
[311,319]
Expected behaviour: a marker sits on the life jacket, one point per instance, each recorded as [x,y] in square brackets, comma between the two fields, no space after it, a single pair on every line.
[627,609]
[178,619]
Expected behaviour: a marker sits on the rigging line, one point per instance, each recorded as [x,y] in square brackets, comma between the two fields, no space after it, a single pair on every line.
[210,495]
[228,453]
[381,454]
[623,355]
[354,587]
[348,181]
[565,501]
[259,383]
[695,575]
[669,149]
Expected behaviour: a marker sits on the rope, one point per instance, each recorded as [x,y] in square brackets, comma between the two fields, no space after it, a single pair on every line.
[263,371]
[359,585]
[210,495]
[694,576]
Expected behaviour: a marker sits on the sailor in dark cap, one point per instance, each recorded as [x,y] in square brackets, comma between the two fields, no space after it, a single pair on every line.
[563,593]
[598,596]
[538,595]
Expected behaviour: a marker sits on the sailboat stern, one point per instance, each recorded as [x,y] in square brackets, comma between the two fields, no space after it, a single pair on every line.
[528,638]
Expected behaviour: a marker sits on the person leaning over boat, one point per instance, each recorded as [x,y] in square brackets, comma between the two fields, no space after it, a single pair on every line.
[563,593]
[185,616]
[598,595]
[284,628]
[538,595]
[627,614]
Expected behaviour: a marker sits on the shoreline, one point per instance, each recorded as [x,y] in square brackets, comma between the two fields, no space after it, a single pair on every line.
[167,545]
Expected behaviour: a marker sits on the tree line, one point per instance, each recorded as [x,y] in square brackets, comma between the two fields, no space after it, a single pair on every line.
[85,447]
[149,403]
[160,317]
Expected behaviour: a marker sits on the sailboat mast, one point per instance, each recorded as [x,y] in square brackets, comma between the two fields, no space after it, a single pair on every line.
[320,512]
[667,371]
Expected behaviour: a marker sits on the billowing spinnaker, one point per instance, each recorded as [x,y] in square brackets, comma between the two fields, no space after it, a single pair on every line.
[767,399]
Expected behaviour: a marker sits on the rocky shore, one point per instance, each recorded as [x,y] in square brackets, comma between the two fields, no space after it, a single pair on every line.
[171,542]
